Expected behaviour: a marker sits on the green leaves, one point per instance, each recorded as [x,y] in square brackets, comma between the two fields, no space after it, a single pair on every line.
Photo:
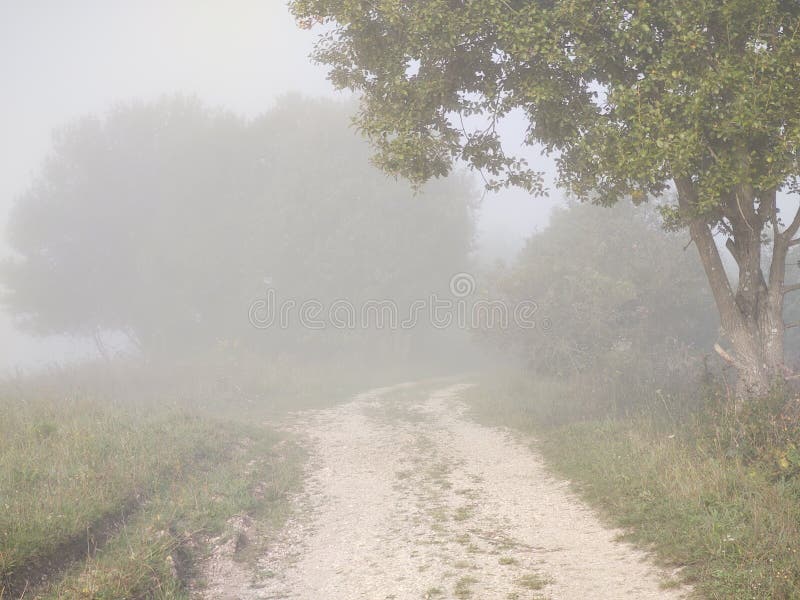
[631,95]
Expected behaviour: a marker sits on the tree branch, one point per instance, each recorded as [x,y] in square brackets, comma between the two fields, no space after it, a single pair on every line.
[793,324]
[726,357]
[793,226]
[730,316]
[780,249]
[790,288]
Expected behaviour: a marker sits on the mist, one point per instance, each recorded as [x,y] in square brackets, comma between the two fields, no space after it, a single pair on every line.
[67,64]
[393,299]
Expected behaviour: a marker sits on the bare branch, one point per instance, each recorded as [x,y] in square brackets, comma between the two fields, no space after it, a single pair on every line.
[767,209]
[726,357]
[793,226]
[780,249]
[793,324]
[790,288]
[709,253]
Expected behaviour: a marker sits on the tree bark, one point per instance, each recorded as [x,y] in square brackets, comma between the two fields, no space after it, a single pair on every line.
[751,317]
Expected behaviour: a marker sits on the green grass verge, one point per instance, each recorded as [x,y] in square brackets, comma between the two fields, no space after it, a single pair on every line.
[673,480]
[114,501]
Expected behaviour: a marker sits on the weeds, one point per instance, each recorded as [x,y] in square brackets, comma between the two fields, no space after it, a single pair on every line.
[463,587]
[532,581]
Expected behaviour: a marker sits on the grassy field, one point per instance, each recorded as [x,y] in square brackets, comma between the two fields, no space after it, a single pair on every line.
[105,495]
[708,489]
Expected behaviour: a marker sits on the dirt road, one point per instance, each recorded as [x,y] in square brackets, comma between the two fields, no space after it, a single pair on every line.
[406,498]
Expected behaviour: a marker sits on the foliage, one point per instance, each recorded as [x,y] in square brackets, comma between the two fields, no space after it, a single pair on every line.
[764,433]
[631,97]
[630,94]
[609,308]
[167,220]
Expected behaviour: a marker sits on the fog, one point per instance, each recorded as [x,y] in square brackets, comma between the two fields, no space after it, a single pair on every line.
[335,299]
[62,62]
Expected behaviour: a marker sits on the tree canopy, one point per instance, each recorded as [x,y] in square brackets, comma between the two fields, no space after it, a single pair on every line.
[630,94]
[632,98]
[167,220]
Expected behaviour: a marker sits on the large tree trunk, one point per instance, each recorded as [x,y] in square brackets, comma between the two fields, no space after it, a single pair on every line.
[751,317]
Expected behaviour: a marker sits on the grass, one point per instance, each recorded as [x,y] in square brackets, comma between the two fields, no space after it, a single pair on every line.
[462,513]
[723,506]
[154,554]
[531,581]
[104,496]
[463,587]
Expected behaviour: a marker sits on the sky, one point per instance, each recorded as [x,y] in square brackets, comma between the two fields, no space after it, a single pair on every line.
[61,60]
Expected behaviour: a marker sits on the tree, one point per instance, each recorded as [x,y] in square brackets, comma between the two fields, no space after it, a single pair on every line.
[606,308]
[633,98]
[110,235]
[167,220]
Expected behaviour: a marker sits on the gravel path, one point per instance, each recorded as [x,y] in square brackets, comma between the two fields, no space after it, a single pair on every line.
[408,499]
